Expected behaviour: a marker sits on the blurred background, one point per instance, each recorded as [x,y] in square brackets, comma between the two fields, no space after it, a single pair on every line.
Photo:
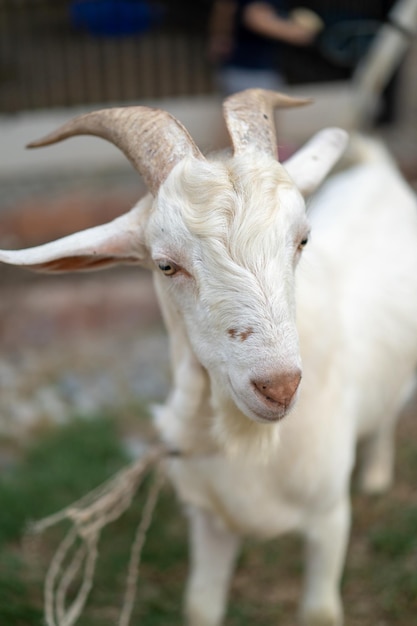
[82,357]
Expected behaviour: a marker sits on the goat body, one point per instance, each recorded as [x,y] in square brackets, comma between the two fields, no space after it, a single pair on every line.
[248,310]
[357,322]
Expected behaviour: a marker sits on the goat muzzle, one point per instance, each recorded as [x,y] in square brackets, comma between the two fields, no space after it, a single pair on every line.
[277,390]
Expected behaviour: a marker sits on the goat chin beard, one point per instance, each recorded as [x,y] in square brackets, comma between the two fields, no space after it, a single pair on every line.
[240,436]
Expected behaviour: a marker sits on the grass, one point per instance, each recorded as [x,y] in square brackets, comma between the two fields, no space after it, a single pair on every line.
[380,583]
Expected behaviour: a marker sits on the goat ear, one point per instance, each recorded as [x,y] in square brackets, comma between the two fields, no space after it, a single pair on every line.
[309,166]
[119,241]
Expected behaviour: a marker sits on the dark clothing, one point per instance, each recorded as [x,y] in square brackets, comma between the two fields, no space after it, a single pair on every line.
[250,50]
[317,64]
[323,62]
[333,11]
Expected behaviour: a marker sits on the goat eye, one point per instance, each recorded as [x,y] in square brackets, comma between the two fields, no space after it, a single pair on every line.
[167,267]
[303,242]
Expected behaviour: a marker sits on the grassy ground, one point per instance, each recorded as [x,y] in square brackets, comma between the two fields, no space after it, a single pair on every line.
[380,583]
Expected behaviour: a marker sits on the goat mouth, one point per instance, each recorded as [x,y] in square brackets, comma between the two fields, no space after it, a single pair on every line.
[267,411]
[269,419]
[271,404]
[273,413]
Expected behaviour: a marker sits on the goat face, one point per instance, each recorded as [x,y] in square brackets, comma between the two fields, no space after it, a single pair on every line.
[226,237]
[223,235]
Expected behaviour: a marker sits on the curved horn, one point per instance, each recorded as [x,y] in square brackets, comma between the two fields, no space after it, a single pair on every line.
[249,117]
[153,140]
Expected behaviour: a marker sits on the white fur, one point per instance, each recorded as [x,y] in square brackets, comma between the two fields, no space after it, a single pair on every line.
[246,304]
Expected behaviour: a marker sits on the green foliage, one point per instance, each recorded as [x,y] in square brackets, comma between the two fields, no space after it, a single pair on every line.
[16,606]
[397,536]
[394,551]
[59,469]
[56,471]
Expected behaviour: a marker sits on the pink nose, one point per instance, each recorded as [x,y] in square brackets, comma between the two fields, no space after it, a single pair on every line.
[278,389]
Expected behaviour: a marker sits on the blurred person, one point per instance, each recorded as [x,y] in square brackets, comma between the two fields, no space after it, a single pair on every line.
[244,37]
[349,27]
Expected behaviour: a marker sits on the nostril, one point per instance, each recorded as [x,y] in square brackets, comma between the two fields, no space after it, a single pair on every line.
[279,389]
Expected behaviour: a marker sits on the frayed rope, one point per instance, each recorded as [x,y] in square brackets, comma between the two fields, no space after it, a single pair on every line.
[89,516]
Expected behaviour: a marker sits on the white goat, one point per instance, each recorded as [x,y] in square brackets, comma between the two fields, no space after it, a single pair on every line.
[246,315]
